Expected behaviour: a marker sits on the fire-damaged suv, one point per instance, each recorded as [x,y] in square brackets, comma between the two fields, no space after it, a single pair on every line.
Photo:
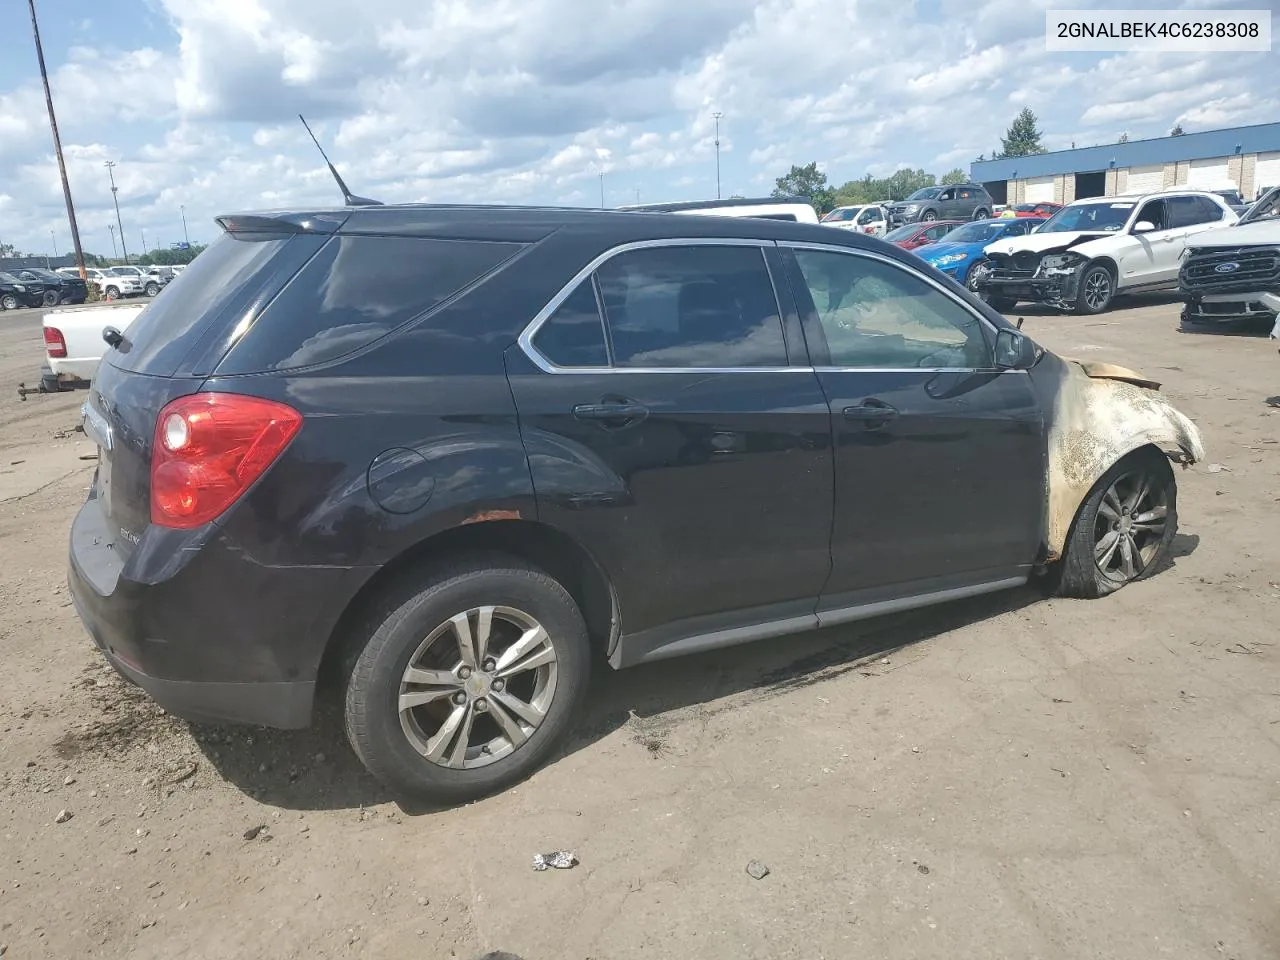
[452,457]
[1091,250]
[1233,276]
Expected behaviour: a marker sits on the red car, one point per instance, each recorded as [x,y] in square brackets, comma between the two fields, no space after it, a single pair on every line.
[909,236]
[1045,209]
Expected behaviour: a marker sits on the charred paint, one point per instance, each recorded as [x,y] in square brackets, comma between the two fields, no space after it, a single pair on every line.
[1096,421]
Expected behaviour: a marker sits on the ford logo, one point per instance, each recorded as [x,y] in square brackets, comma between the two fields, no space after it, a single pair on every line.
[1230,267]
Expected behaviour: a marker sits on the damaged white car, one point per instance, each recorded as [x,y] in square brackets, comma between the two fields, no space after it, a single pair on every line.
[1092,250]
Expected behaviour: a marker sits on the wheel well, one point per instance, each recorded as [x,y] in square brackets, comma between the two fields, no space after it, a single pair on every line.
[1109,264]
[538,544]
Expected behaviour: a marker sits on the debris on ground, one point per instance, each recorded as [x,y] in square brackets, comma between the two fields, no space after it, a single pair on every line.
[560,859]
[1216,468]
[252,832]
[63,816]
[757,870]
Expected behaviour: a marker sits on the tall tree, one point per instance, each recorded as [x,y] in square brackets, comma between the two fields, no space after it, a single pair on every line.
[1023,137]
[1177,130]
[954,176]
[1124,137]
[808,182]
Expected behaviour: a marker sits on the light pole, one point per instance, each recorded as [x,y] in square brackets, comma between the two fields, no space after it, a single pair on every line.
[54,241]
[185,239]
[57,145]
[110,165]
[144,241]
[717,116]
[114,255]
[602,191]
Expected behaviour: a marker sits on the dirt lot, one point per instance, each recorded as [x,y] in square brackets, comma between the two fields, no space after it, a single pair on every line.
[1005,777]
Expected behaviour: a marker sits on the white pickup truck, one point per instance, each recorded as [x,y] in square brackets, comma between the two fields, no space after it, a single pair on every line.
[73,341]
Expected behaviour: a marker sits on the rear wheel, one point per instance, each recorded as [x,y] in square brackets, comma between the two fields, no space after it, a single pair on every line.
[982,213]
[152,288]
[50,298]
[467,681]
[1123,530]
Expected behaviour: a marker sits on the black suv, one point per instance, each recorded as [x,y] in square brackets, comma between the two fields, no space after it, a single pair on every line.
[449,455]
[963,201]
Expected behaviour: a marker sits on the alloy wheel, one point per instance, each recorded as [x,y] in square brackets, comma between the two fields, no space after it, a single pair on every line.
[8,302]
[1130,526]
[1097,289]
[478,687]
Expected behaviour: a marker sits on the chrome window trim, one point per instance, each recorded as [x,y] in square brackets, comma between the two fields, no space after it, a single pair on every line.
[525,340]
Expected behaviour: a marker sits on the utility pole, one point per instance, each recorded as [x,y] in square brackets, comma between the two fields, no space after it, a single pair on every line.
[114,254]
[54,241]
[144,241]
[183,211]
[717,116]
[57,144]
[110,165]
[602,191]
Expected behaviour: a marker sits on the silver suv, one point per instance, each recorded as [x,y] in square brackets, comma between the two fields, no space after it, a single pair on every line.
[962,201]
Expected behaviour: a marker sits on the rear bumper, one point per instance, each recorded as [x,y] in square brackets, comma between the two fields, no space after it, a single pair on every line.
[210,637]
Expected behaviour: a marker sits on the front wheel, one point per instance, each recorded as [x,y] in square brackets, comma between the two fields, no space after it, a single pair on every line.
[468,681]
[1123,529]
[152,289]
[1097,287]
[8,302]
[929,216]
[113,293]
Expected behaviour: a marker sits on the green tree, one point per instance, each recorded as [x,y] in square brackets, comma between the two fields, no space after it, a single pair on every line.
[1177,130]
[808,182]
[1023,136]
[954,176]
[1124,138]
[8,250]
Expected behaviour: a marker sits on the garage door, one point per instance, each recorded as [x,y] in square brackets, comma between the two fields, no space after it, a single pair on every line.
[1209,174]
[1145,179]
[1268,171]
[1039,190]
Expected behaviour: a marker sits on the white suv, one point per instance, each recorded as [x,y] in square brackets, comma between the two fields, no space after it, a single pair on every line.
[1093,249]
[114,285]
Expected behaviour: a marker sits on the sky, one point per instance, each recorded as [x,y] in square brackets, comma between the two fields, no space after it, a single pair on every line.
[530,101]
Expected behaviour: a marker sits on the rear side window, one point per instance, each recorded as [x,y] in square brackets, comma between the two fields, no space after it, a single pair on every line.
[692,306]
[225,282]
[573,336]
[356,290]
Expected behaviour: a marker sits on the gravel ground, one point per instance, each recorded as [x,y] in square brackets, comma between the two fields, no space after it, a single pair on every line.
[1003,777]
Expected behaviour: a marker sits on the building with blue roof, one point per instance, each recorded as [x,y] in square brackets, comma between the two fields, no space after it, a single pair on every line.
[1244,158]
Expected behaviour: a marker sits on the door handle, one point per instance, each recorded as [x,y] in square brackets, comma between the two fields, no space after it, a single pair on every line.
[871,411]
[619,412]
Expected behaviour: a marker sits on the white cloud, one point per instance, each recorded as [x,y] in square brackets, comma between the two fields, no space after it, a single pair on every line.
[530,100]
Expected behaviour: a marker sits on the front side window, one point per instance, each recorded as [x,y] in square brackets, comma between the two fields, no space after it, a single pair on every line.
[1155,213]
[692,306]
[868,216]
[877,315]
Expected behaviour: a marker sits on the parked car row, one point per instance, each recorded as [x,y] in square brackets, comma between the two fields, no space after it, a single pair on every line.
[125,281]
[36,287]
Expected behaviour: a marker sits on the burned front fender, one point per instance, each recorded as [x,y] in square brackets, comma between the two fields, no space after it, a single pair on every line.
[1100,414]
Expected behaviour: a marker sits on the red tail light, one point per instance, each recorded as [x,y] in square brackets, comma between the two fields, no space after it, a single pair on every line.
[55,344]
[209,449]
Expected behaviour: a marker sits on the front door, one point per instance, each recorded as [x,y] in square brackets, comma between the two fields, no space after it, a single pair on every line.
[940,458]
[1152,257]
[681,441]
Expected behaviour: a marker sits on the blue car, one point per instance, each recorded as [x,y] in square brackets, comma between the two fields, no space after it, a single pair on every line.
[959,251]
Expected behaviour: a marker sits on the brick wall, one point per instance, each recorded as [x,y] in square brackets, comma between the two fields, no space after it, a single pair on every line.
[1248,174]
[1068,188]
[1113,183]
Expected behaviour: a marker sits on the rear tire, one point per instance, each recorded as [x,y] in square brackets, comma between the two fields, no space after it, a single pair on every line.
[432,726]
[50,298]
[1135,501]
[981,214]
[152,288]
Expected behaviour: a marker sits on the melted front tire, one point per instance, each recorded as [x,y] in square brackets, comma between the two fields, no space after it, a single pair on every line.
[1122,531]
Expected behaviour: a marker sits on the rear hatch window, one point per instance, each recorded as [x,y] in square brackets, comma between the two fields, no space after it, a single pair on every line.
[230,281]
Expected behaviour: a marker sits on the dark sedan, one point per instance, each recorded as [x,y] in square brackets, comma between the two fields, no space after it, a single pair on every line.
[55,288]
[15,293]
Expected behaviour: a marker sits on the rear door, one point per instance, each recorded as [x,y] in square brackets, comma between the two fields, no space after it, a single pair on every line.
[939,467]
[675,428]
